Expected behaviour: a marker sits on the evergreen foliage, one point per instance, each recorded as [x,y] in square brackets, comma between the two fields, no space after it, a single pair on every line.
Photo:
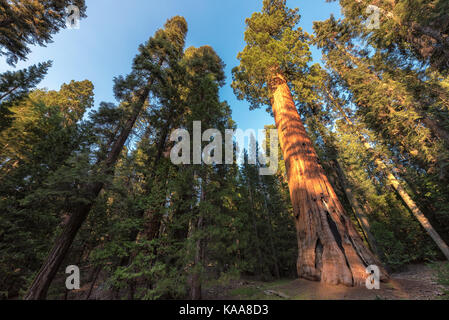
[151,229]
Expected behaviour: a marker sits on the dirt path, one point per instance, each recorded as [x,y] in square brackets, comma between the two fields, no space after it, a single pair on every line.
[414,284]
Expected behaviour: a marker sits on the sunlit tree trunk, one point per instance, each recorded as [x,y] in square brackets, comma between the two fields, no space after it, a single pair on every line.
[411,205]
[329,248]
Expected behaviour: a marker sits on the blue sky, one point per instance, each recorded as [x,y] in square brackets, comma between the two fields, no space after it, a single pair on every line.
[108,38]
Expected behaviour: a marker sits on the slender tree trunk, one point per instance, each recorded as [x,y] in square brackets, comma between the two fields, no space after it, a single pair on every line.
[358,211]
[256,233]
[330,249]
[79,212]
[359,214]
[180,211]
[411,205]
[152,225]
[153,216]
[195,285]
[93,281]
[270,236]
[8,93]
[396,185]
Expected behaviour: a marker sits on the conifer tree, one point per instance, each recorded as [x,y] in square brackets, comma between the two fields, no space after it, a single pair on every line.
[44,133]
[412,28]
[325,140]
[387,106]
[397,186]
[275,61]
[164,47]
[15,85]
[30,22]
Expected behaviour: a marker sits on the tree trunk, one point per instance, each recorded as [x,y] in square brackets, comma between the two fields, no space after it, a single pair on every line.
[195,284]
[260,266]
[394,182]
[270,237]
[358,211]
[418,214]
[79,212]
[93,281]
[330,249]
[411,205]
[153,216]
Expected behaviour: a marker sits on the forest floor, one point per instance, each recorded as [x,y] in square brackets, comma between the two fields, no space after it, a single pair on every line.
[416,283]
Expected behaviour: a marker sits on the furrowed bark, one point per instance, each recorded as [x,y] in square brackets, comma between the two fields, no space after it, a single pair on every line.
[330,249]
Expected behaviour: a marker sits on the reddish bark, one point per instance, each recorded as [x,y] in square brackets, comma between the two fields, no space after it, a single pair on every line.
[330,249]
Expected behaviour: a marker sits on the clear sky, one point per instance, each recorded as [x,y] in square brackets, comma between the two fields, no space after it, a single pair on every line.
[108,39]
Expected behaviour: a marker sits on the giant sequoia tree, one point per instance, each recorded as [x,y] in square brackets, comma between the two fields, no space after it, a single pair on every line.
[274,63]
[390,106]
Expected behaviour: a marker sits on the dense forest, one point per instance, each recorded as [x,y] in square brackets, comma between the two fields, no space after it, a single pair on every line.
[363,157]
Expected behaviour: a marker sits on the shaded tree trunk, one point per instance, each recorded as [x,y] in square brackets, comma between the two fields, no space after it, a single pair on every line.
[153,216]
[79,212]
[330,249]
[94,277]
[260,266]
[358,211]
[195,286]
[195,281]
[270,236]
[396,185]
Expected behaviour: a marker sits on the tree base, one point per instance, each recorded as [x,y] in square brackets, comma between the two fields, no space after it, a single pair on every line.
[331,250]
